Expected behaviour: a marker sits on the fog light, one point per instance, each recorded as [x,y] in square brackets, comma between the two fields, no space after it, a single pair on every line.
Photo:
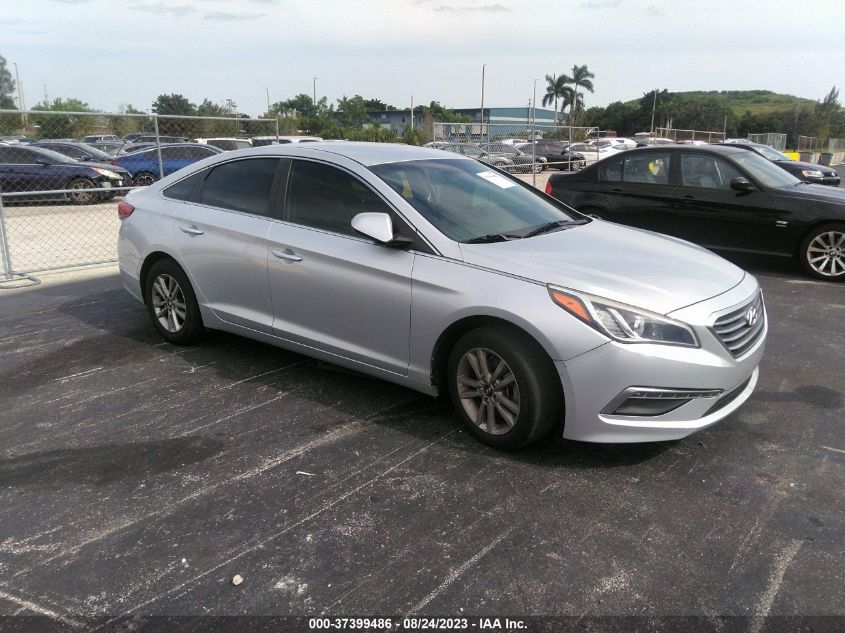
[651,401]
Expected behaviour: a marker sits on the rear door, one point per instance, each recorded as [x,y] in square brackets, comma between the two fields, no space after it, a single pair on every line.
[332,289]
[221,228]
[639,191]
[712,214]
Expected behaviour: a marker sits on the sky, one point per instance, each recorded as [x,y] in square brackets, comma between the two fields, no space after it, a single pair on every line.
[110,53]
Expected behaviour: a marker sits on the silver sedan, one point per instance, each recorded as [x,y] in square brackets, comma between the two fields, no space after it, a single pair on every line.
[452,278]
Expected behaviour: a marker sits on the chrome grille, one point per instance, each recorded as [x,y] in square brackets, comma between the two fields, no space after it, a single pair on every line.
[741,328]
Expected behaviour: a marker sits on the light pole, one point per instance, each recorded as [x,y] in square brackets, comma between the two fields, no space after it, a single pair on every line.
[483,68]
[315,91]
[534,137]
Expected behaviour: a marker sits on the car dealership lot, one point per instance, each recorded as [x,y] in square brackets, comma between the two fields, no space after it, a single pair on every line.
[140,477]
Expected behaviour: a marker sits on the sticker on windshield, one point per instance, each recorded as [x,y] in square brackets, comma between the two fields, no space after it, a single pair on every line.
[496,179]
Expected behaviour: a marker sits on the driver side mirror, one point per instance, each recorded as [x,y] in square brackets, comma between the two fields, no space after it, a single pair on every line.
[741,184]
[42,161]
[379,227]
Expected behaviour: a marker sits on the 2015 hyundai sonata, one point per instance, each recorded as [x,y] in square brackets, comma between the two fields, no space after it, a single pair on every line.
[442,274]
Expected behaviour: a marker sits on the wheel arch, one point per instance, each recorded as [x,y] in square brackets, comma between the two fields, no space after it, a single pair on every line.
[149,260]
[809,229]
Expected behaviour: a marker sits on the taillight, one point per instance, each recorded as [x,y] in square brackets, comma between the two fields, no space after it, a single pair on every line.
[548,187]
[115,163]
[124,210]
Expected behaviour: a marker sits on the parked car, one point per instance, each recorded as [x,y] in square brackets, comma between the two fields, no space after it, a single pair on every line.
[144,166]
[438,144]
[473,151]
[522,162]
[614,141]
[226,144]
[109,147]
[556,153]
[719,196]
[94,138]
[152,138]
[593,153]
[130,138]
[76,151]
[434,272]
[808,172]
[259,141]
[131,148]
[25,168]
[653,140]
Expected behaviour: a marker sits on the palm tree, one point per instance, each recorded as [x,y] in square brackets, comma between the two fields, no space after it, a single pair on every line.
[581,78]
[570,96]
[554,90]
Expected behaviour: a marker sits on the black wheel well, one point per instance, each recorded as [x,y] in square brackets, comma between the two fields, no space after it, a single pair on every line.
[810,229]
[151,259]
[446,341]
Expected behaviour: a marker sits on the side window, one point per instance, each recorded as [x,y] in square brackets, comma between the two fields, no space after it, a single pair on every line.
[184,189]
[324,197]
[70,151]
[242,185]
[707,172]
[650,168]
[612,171]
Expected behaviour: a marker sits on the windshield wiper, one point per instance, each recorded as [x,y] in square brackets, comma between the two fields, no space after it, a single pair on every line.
[492,237]
[550,226]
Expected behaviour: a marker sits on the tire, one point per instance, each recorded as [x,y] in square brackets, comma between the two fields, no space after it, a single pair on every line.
[144,179]
[535,389]
[81,195]
[172,304]
[822,253]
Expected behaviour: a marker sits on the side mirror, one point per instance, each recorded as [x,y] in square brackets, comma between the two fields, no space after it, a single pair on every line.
[379,227]
[42,161]
[741,184]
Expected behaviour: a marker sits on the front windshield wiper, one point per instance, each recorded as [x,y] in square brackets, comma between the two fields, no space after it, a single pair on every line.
[550,226]
[492,237]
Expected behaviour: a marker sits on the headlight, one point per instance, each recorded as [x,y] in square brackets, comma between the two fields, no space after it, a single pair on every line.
[812,173]
[622,322]
[106,173]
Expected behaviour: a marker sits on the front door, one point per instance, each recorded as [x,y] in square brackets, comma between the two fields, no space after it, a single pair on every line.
[333,289]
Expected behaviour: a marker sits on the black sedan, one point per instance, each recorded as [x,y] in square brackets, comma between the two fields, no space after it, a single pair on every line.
[556,153]
[720,196]
[32,170]
[76,151]
[808,172]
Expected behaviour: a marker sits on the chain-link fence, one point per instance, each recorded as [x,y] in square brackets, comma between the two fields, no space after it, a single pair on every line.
[679,136]
[772,139]
[63,173]
[811,143]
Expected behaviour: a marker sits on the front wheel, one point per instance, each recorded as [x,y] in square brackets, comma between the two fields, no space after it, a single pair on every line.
[503,387]
[172,303]
[822,252]
[80,191]
[144,179]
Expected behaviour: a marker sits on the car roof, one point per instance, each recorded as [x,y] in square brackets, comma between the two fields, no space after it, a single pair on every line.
[367,154]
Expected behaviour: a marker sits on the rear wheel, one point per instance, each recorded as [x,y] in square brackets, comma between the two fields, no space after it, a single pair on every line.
[504,387]
[172,304]
[145,178]
[822,253]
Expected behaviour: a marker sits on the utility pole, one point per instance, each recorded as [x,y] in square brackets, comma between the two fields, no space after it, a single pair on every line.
[534,138]
[653,108]
[268,100]
[483,67]
[412,112]
[21,103]
[315,92]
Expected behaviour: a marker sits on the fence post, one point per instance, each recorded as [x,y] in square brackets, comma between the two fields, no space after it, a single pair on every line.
[158,147]
[4,245]
[277,128]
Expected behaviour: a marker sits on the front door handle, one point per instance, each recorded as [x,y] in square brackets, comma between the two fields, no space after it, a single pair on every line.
[288,257]
[190,230]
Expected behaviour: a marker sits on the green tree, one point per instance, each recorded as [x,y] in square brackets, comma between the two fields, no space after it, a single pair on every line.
[377,104]
[581,78]
[66,126]
[352,112]
[173,104]
[7,86]
[555,87]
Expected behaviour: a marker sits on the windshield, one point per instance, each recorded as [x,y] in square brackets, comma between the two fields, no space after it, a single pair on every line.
[95,152]
[764,171]
[771,153]
[466,200]
[52,155]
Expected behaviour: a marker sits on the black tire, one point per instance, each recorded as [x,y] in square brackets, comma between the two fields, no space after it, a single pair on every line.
[540,399]
[144,179]
[81,195]
[826,245]
[191,329]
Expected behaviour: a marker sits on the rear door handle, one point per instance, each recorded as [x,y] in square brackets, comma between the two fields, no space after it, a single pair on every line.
[190,230]
[288,257]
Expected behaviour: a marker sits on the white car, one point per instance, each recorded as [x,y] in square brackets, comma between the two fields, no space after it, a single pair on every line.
[595,152]
[226,143]
[258,141]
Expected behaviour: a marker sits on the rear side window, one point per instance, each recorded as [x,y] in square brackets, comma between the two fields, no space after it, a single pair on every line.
[324,197]
[242,185]
[185,188]
[612,171]
[651,168]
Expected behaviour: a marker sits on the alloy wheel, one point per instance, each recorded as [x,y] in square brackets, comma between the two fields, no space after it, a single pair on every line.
[169,303]
[826,254]
[488,391]
[79,191]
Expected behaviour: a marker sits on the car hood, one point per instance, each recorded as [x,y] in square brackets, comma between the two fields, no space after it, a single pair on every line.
[817,193]
[799,164]
[633,266]
[103,165]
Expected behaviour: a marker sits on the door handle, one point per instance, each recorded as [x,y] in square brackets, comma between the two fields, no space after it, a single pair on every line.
[190,230]
[288,257]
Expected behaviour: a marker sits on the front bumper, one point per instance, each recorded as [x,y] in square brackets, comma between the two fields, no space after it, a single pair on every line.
[593,382]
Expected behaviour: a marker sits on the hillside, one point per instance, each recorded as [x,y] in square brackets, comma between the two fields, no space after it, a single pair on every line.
[740,101]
